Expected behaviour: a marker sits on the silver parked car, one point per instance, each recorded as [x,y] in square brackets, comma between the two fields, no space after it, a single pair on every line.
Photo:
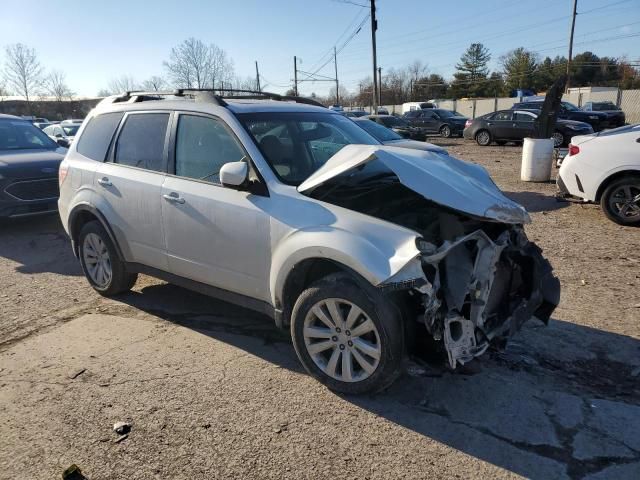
[293,210]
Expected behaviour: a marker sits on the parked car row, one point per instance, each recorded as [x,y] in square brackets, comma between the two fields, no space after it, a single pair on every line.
[515,125]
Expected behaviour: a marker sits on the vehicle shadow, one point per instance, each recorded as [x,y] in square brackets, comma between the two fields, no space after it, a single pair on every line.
[38,244]
[537,202]
[562,401]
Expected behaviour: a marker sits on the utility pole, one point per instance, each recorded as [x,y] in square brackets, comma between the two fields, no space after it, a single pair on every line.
[379,85]
[258,77]
[573,26]
[374,27]
[335,62]
[295,75]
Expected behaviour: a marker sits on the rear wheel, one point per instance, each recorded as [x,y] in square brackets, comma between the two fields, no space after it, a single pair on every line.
[348,338]
[621,201]
[445,131]
[100,262]
[558,139]
[483,138]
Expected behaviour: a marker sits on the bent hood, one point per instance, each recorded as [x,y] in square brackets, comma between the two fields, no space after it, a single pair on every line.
[438,177]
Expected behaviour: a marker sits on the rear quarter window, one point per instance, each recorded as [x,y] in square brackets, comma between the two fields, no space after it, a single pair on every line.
[97,135]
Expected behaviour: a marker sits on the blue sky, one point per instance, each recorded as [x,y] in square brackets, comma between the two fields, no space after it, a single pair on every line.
[95,41]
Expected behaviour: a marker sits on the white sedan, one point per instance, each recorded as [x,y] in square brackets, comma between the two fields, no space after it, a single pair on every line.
[605,168]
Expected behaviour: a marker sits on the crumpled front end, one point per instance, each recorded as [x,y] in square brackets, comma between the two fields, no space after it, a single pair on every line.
[476,291]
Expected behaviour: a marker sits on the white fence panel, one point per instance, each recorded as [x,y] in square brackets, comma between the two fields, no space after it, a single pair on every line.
[630,104]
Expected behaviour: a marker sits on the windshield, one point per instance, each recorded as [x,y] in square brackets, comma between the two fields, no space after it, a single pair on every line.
[391,121]
[378,131]
[599,107]
[447,113]
[70,130]
[21,135]
[297,144]
[569,106]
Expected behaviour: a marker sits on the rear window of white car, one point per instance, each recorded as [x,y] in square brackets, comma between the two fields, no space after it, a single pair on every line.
[96,137]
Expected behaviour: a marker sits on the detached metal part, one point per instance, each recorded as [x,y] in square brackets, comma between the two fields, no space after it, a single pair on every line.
[481,290]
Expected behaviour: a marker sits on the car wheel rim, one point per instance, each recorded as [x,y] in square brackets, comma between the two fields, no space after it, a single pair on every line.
[557,139]
[445,131]
[483,137]
[96,259]
[625,201]
[342,340]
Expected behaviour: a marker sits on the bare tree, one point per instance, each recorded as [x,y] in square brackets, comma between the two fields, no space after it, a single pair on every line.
[154,83]
[193,64]
[56,86]
[22,70]
[122,84]
[3,90]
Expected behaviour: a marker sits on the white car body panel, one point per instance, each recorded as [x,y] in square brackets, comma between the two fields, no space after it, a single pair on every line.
[601,156]
[436,177]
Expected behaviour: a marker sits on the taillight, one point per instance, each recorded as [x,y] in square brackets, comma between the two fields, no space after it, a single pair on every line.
[574,150]
[467,123]
[62,173]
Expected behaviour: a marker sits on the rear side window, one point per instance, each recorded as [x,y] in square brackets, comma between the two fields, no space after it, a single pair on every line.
[97,135]
[141,141]
[502,116]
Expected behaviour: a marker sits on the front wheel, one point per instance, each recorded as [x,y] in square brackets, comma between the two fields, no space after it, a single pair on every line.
[100,262]
[558,139]
[621,201]
[348,338]
[483,138]
[445,131]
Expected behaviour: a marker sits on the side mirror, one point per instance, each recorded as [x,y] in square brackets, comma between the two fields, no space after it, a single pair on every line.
[63,142]
[234,174]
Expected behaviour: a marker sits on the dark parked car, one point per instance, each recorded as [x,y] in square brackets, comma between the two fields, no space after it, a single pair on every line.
[437,120]
[29,162]
[615,115]
[568,111]
[515,125]
[400,126]
[386,136]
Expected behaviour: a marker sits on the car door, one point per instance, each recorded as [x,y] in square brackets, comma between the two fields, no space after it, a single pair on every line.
[429,120]
[215,235]
[523,125]
[128,186]
[501,125]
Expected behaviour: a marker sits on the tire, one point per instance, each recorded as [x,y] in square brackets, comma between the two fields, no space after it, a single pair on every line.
[445,131]
[501,143]
[558,139]
[483,138]
[381,335]
[617,201]
[95,244]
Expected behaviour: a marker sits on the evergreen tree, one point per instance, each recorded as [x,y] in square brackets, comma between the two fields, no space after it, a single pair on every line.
[469,79]
[519,67]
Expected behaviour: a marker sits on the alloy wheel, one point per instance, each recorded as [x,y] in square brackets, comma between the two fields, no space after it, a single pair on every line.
[342,340]
[558,139]
[483,138]
[625,201]
[445,131]
[96,259]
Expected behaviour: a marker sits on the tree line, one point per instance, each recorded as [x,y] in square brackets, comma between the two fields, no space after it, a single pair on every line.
[518,69]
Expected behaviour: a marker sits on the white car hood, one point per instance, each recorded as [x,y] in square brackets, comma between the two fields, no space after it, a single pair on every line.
[443,179]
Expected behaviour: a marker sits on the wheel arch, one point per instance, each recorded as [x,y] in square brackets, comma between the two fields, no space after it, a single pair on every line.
[79,216]
[612,178]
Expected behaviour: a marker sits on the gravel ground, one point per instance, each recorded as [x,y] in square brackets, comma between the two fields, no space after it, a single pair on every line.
[215,391]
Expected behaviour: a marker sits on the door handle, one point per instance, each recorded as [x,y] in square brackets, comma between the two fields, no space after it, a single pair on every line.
[104,181]
[173,197]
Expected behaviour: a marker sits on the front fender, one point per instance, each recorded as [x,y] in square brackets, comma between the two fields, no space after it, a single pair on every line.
[374,259]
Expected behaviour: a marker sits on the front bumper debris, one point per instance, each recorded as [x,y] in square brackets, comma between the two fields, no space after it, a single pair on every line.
[482,291]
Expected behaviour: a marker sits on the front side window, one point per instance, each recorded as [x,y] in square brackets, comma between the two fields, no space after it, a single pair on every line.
[141,141]
[22,135]
[296,144]
[203,146]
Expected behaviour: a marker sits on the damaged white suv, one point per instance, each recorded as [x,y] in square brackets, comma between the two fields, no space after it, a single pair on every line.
[293,210]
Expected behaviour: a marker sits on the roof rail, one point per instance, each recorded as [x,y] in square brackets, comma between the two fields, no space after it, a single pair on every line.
[211,95]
